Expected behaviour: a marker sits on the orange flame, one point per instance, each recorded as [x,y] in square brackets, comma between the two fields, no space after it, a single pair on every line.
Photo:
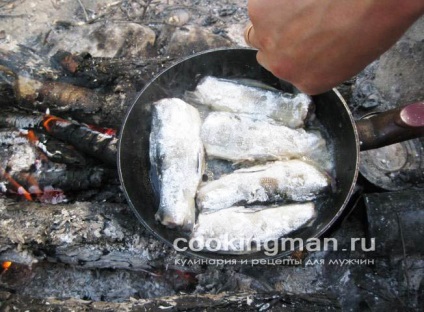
[6,265]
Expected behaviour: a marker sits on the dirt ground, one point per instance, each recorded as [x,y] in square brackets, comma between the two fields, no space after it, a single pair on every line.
[30,23]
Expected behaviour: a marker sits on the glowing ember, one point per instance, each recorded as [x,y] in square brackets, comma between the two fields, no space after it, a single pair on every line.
[52,195]
[6,265]
[34,188]
[107,131]
[19,188]
[31,136]
[187,276]
[48,119]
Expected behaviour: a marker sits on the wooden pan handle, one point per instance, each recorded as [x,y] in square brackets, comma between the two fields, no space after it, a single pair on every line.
[396,125]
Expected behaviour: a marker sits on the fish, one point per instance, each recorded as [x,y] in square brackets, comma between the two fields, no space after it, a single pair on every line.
[241,138]
[237,230]
[177,159]
[292,180]
[232,96]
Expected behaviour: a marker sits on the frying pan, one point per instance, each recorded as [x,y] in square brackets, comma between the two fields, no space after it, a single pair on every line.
[341,133]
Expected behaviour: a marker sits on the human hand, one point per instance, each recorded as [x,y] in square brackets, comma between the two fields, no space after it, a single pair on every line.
[318,44]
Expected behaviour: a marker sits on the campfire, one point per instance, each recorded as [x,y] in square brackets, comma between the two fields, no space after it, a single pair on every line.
[68,237]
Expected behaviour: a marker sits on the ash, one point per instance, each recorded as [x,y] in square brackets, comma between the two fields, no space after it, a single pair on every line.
[97,285]
[90,252]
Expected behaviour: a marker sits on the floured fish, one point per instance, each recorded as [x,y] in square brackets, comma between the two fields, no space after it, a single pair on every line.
[230,96]
[240,137]
[292,180]
[177,158]
[233,230]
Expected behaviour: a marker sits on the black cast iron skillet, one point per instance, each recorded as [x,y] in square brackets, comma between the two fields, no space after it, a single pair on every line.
[331,110]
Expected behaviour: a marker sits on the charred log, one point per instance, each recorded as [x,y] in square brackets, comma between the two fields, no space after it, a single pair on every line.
[94,143]
[55,150]
[38,165]
[65,179]
[33,163]
[33,93]
[56,96]
[79,86]
[69,100]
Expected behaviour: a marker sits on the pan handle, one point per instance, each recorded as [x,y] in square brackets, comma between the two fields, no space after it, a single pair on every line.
[396,125]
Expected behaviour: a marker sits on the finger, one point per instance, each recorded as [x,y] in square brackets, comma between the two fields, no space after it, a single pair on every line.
[262,60]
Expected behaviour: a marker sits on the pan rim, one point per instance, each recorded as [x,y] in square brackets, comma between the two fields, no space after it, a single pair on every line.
[237,258]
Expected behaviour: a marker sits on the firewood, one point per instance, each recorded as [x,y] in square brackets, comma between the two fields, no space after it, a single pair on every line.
[55,150]
[94,143]
[84,88]
[91,140]
[42,94]
[56,96]
[64,179]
